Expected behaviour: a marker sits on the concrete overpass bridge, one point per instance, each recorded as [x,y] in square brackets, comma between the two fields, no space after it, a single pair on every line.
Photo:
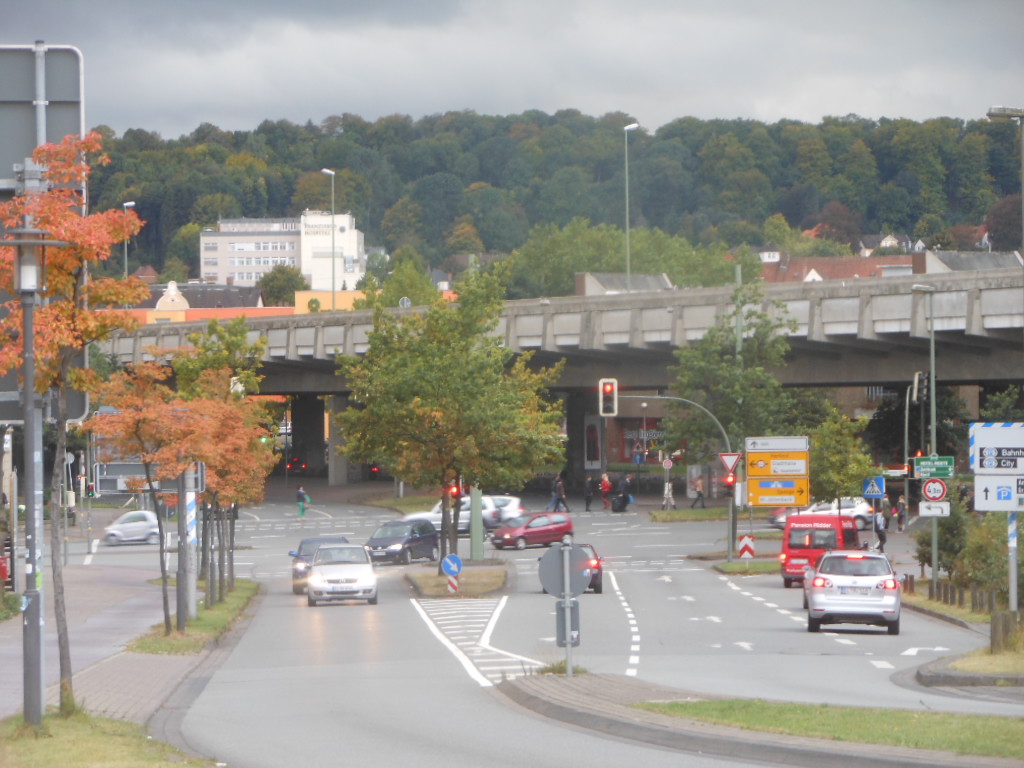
[862,332]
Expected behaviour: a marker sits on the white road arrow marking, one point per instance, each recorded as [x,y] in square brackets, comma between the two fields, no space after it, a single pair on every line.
[667,579]
[913,651]
[745,646]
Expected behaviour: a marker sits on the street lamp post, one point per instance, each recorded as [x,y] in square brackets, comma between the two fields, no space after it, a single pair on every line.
[330,173]
[933,395]
[126,206]
[625,141]
[1013,113]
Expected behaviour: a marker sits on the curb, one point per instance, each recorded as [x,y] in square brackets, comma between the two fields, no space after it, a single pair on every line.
[941,674]
[601,703]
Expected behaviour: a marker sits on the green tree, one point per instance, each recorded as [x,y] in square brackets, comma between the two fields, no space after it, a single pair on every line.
[839,459]
[491,428]
[174,269]
[736,383]
[984,560]
[280,284]
[406,281]
[952,536]
[184,249]
[1006,405]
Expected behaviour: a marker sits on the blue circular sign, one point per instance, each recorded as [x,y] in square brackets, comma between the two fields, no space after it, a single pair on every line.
[452,565]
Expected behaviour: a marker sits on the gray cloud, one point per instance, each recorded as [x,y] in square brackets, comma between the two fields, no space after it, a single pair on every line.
[169,67]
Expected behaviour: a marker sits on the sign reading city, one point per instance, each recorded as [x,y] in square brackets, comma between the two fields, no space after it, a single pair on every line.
[778,471]
[997,448]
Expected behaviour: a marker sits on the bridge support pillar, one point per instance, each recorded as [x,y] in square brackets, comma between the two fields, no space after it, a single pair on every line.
[337,466]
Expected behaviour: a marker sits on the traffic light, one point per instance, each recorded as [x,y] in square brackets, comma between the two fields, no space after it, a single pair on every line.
[919,392]
[91,490]
[608,396]
[730,480]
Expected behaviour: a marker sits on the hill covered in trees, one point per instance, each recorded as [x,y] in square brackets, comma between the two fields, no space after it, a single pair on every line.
[462,183]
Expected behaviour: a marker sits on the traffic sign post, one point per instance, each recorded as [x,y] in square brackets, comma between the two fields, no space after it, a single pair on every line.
[997,461]
[778,471]
[874,487]
[933,490]
[452,566]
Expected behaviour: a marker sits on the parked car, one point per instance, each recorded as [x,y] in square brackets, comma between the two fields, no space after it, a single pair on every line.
[595,565]
[341,572]
[303,556]
[853,588]
[494,509]
[856,506]
[402,541]
[138,525]
[536,528]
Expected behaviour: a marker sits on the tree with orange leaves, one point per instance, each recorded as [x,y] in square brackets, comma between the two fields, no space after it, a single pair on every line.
[169,433]
[75,312]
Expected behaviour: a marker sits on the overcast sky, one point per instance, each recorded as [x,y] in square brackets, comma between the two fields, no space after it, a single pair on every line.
[170,66]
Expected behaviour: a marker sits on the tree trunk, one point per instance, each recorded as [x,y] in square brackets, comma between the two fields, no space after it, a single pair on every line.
[163,560]
[57,536]
[222,554]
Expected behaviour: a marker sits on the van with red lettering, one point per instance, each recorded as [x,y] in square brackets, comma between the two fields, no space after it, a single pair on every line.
[808,537]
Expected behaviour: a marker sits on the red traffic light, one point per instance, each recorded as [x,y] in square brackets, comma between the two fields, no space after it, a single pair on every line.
[730,479]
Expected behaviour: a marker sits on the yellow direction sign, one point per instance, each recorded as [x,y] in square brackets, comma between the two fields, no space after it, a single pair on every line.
[777,464]
[780,492]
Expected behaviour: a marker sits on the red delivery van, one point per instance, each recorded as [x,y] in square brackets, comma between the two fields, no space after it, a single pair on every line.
[807,537]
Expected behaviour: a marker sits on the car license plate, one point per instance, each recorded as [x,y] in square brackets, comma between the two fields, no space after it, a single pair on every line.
[855,590]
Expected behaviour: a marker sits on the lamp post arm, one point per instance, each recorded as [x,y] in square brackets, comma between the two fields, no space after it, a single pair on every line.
[725,437]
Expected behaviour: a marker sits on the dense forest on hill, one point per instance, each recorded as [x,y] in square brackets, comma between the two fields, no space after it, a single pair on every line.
[461,182]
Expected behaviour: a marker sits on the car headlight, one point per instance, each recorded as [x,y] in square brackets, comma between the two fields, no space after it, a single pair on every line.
[316,580]
[394,547]
[301,566]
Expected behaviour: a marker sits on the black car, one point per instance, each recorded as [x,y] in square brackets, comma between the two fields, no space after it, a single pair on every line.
[596,567]
[303,556]
[401,541]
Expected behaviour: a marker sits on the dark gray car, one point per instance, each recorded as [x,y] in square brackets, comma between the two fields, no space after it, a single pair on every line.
[402,541]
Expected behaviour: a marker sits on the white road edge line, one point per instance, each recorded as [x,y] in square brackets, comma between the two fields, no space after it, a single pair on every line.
[468,665]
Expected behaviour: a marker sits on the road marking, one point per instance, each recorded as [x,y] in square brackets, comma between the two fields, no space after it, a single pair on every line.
[745,645]
[913,651]
[881,664]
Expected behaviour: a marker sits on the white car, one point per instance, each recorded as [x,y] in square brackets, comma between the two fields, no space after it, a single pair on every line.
[341,572]
[855,506]
[495,510]
[138,525]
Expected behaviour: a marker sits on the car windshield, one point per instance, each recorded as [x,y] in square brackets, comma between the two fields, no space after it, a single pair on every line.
[328,555]
[308,546]
[850,566]
[802,538]
[391,530]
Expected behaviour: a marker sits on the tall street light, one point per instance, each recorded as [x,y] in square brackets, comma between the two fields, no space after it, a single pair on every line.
[933,395]
[1014,113]
[625,141]
[126,206]
[330,173]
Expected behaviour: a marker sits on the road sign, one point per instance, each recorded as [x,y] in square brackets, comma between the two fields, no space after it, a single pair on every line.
[452,565]
[551,571]
[997,448]
[774,464]
[730,460]
[780,492]
[933,490]
[998,493]
[746,547]
[926,467]
[933,509]
[874,487]
[795,443]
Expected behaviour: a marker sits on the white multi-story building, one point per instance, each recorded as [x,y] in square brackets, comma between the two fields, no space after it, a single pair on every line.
[241,251]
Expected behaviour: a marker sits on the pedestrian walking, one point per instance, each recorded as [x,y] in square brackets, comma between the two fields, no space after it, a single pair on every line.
[880,530]
[698,492]
[901,512]
[606,488]
[588,492]
[560,498]
[303,498]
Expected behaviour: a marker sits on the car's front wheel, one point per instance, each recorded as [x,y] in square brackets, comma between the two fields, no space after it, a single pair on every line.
[297,589]
[435,553]
[111,540]
[406,556]
[310,601]
[520,543]
[153,538]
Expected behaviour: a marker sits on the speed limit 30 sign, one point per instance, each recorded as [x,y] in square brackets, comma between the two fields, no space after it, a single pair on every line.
[933,489]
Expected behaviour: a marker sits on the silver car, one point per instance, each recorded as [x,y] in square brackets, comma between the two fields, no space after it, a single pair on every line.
[853,588]
[138,525]
[495,510]
[341,572]
[855,506]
